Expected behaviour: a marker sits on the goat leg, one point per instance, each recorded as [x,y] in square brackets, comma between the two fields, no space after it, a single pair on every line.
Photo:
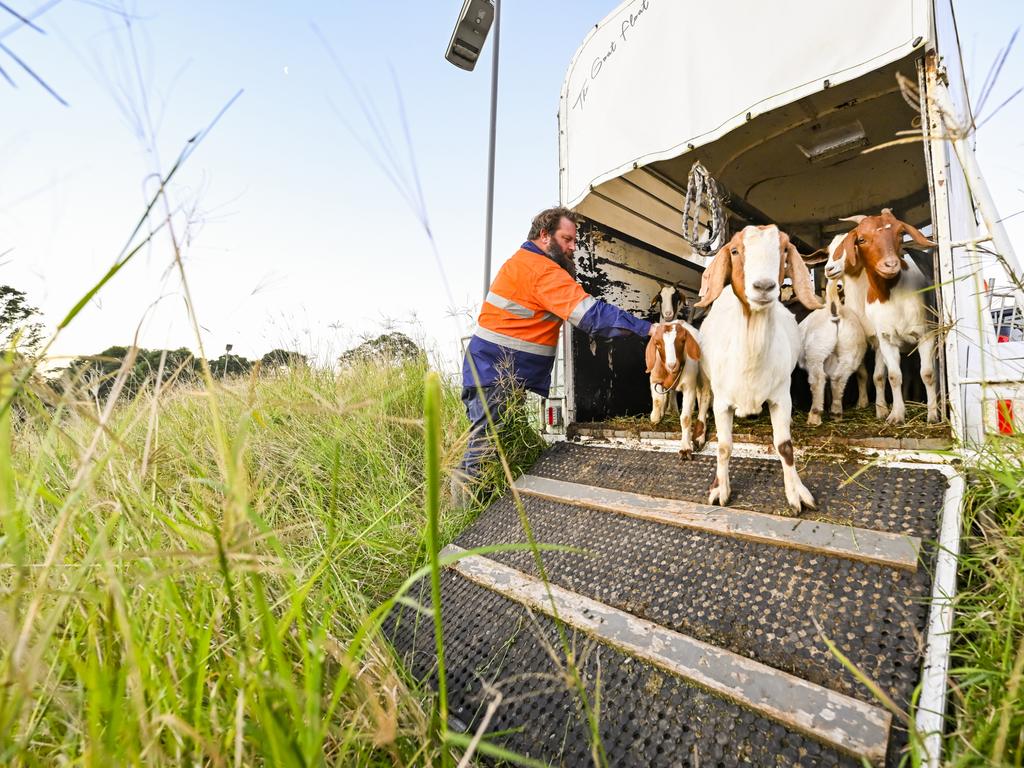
[658,400]
[927,351]
[700,429]
[881,408]
[689,388]
[720,490]
[838,385]
[797,494]
[862,385]
[816,378]
[891,355]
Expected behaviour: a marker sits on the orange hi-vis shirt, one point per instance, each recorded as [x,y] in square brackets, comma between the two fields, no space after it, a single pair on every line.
[521,319]
[527,302]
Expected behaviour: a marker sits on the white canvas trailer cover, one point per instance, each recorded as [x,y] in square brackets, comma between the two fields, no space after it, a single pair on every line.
[658,78]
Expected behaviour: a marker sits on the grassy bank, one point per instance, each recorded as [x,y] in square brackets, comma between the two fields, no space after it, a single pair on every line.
[185,588]
[987,695]
[189,578]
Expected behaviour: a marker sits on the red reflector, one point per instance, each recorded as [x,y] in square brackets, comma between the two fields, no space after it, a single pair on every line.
[551,416]
[1002,338]
[1004,416]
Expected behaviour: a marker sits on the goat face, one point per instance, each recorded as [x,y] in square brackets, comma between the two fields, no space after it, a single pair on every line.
[836,264]
[670,302]
[666,349]
[875,244]
[754,262]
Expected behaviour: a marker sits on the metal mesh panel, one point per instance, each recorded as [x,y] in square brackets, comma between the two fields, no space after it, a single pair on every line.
[647,717]
[881,498]
[751,598]
[755,599]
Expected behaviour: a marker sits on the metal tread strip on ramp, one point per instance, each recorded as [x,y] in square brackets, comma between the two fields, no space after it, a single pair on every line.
[892,549]
[842,722]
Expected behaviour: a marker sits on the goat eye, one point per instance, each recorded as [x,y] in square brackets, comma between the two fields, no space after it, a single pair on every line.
[860,241]
[734,252]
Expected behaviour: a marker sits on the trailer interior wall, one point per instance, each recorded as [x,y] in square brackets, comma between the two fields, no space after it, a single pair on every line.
[608,375]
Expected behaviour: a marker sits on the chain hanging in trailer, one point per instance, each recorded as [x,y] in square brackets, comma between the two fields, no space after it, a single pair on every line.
[703,218]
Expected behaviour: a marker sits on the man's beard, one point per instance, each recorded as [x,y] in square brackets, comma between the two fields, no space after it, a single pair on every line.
[561,258]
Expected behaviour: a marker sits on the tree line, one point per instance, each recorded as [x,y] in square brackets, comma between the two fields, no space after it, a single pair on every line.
[22,332]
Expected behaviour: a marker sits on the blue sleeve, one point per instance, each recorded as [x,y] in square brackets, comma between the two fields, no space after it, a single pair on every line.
[607,320]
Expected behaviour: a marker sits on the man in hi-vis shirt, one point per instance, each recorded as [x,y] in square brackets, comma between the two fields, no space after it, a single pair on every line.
[518,329]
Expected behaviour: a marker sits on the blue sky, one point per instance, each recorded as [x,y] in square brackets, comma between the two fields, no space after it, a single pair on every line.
[298,237]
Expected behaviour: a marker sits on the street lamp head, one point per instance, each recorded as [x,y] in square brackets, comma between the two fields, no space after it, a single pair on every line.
[470,33]
[227,347]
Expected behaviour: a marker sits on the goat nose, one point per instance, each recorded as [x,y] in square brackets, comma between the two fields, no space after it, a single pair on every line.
[766,286]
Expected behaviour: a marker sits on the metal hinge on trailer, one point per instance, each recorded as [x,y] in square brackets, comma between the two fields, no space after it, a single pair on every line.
[703,216]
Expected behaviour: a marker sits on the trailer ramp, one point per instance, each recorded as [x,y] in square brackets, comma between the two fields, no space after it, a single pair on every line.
[698,631]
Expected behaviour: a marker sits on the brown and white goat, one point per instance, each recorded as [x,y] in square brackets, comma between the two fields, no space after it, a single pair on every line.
[751,345]
[886,289]
[670,302]
[673,361]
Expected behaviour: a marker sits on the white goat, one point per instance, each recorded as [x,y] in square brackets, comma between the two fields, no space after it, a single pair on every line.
[751,345]
[832,347]
[672,356]
[886,290]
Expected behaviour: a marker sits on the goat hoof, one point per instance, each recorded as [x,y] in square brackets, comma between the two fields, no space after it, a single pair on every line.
[685,454]
[814,419]
[837,416]
[881,411]
[933,418]
[895,418]
[717,495]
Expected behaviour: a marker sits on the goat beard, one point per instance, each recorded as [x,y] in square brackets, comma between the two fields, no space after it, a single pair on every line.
[561,258]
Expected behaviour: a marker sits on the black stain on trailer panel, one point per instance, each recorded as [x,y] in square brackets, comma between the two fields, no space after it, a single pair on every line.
[610,376]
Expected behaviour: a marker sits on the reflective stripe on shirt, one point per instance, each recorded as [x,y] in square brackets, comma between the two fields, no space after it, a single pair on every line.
[508,305]
[513,343]
[581,309]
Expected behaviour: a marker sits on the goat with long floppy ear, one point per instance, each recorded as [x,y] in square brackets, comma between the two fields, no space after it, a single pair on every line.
[718,273]
[654,362]
[799,274]
[903,228]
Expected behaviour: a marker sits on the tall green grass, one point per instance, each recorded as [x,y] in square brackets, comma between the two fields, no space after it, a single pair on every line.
[987,694]
[171,595]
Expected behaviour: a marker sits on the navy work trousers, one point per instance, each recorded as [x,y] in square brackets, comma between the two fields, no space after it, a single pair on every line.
[480,448]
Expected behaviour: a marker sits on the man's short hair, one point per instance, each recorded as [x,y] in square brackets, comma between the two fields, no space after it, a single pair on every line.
[549,219]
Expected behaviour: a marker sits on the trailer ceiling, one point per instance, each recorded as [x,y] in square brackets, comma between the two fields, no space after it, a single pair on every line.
[761,164]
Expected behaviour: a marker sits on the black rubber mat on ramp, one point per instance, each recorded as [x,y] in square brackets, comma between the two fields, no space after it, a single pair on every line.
[647,717]
[890,499]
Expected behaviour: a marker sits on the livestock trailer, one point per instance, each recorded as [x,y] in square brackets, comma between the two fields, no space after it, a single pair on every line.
[662,630]
[799,124]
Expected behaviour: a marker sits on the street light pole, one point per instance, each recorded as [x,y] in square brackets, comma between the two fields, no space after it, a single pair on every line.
[227,355]
[467,41]
[489,226]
